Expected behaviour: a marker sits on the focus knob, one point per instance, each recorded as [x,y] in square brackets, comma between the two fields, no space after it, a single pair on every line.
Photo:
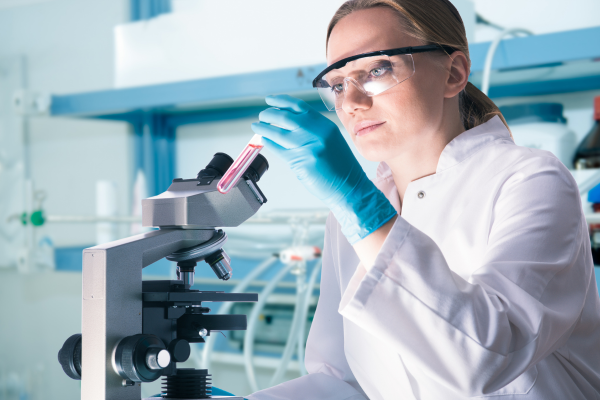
[157,358]
[69,357]
[180,350]
[140,358]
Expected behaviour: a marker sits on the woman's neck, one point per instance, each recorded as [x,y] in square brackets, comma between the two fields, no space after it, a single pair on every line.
[420,158]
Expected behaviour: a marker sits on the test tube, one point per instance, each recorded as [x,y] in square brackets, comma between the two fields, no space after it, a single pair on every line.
[240,165]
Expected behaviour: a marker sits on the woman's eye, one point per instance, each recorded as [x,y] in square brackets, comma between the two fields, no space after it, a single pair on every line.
[377,72]
[338,88]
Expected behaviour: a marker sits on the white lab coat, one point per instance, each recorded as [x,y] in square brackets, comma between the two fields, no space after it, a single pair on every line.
[484,288]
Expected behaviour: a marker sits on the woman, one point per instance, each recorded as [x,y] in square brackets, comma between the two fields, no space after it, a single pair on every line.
[465,269]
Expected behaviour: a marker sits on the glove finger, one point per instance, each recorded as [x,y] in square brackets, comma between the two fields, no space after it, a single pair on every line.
[288,102]
[275,148]
[282,137]
[279,117]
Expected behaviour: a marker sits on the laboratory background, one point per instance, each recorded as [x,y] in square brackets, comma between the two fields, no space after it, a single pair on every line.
[104,103]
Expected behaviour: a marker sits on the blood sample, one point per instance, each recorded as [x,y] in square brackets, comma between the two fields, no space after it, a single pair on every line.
[240,165]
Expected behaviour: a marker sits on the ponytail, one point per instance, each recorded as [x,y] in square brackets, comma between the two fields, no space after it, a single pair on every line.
[476,108]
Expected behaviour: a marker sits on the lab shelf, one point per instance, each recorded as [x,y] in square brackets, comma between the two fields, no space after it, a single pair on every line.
[535,65]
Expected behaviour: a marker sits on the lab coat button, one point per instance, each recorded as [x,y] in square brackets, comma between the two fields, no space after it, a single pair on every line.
[421,194]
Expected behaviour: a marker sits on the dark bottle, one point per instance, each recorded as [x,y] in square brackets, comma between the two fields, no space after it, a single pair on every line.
[587,154]
[594,198]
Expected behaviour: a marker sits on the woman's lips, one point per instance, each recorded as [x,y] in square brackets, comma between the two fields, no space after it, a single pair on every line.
[364,127]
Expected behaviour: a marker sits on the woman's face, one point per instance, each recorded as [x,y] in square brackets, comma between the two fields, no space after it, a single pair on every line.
[404,116]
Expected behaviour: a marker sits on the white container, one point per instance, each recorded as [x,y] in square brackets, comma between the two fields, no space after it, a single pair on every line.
[542,126]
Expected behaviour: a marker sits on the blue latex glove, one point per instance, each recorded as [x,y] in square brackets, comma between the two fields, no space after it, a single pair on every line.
[316,151]
[215,392]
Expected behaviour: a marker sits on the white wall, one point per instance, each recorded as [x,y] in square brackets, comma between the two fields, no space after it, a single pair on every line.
[202,39]
[539,16]
[39,312]
[68,48]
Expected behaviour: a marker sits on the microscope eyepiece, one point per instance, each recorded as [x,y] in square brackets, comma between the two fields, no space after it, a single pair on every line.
[257,169]
[216,168]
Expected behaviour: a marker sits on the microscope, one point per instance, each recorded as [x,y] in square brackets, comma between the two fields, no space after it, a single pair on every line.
[136,331]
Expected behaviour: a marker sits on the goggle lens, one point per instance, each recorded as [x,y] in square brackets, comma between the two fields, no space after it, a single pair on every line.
[370,75]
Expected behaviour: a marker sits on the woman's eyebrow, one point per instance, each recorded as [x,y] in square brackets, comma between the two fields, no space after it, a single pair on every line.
[334,73]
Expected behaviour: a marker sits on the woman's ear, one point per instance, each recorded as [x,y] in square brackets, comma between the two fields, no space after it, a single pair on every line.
[458,76]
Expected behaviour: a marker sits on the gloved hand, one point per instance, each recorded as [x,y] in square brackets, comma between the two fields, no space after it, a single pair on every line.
[316,151]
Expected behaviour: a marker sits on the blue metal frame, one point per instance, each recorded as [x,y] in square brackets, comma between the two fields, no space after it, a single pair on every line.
[154,151]
[146,9]
[527,52]
[155,110]
[154,148]
[164,96]
[539,50]
[556,86]
[176,120]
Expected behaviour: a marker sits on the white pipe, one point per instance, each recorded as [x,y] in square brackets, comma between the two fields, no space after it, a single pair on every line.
[290,216]
[270,218]
[290,344]
[217,282]
[489,58]
[106,206]
[207,350]
[25,263]
[586,179]
[139,192]
[252,319]
[91,218]
[306,305]
[592,218]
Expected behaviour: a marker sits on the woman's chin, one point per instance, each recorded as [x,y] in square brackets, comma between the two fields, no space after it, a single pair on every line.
[375,151]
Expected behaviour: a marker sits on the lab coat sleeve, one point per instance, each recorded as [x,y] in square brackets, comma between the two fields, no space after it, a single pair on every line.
[329,375]
[477,336]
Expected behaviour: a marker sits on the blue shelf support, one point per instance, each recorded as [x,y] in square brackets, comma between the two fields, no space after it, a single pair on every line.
[145,9]
[513,54]
[154,151]
[157,110]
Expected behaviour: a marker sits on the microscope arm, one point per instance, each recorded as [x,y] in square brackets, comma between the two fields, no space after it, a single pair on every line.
[112,302]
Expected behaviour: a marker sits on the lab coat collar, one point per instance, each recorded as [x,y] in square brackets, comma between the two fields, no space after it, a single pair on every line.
[461,147]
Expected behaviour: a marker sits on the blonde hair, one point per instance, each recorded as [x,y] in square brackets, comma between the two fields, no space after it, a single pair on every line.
[433,22]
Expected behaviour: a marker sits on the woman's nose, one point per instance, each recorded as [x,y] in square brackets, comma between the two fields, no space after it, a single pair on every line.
[354,98]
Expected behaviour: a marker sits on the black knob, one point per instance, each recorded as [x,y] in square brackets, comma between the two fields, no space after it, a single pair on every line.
[180,350]
[257,169]
[69,357]
[216,168]
[140,358]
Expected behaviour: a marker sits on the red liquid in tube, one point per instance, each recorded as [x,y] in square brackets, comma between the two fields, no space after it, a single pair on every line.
[240,165]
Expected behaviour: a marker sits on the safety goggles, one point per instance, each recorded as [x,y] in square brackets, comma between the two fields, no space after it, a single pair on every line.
[371,73]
